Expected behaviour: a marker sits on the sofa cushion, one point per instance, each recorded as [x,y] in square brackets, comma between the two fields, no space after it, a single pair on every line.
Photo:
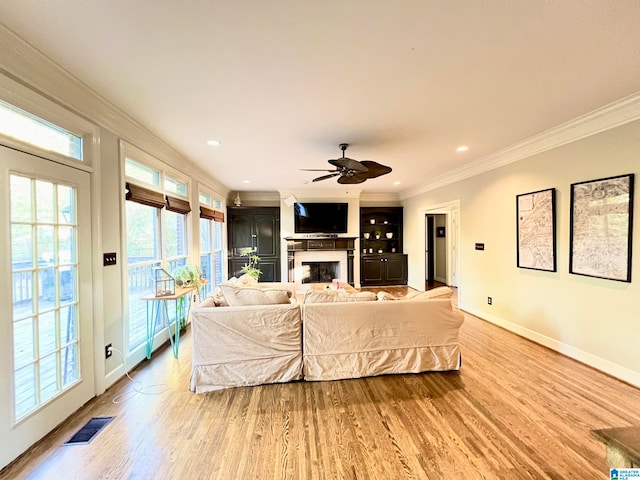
[242,296]
[334,296]
[439,292]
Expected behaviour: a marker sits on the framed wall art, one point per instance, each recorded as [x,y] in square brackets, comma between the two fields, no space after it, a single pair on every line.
[536,230]
[601,228]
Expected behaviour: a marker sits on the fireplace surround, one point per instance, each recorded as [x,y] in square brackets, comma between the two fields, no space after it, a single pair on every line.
[319,250]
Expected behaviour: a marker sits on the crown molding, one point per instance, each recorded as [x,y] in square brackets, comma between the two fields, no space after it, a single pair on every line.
[604,118]
[322,193]
[25,64]
[389,199]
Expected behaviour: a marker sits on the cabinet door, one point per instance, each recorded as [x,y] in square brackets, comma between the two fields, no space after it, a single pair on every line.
[270,269]
[372,271]
[235,267]
[266,235]
[396,267]
[241,233]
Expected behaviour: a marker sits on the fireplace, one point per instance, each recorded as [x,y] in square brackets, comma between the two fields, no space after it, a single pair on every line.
[320,272]
[332,257]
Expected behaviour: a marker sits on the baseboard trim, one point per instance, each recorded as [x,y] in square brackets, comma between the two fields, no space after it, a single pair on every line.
[606,366]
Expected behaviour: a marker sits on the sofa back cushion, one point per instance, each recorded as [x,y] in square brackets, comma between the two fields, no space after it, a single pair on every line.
[439,292]
[237,296]
[335,296]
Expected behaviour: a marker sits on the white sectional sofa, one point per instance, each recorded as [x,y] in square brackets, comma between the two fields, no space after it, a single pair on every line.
[351,340]
[327,337]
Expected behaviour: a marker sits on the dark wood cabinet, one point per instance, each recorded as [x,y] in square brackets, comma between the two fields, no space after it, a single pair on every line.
[381,259]
[389,269]
[255,228]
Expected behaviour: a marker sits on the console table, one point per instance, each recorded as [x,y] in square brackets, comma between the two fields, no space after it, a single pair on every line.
[158,307]
[623,446]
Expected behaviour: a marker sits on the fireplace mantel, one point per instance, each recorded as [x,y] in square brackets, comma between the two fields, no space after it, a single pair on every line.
[308,244]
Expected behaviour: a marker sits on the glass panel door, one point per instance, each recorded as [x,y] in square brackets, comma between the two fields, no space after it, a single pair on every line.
[49,337]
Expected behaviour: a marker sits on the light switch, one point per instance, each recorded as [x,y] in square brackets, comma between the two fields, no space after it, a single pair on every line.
[109,259]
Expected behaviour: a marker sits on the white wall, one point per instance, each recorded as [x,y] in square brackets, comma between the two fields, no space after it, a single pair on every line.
[593,320]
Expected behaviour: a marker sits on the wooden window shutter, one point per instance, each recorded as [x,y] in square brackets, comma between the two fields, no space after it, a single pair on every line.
[178,205]
[145,196]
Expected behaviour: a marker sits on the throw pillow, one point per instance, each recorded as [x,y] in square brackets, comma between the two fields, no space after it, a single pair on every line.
[247,280]
[218,298]
[334,296]
[243,296]
[384,296]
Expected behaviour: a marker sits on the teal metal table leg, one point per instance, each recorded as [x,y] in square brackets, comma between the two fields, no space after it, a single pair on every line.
[174,337]
[152,320]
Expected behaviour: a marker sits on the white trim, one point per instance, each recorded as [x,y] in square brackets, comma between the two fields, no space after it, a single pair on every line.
[623,373]
[446,208]
[25,99]
[610,116]
[38,72]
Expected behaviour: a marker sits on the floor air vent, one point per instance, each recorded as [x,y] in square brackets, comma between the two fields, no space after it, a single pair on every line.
[89,431]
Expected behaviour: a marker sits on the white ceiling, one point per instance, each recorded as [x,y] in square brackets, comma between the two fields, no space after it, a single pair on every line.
[282,82]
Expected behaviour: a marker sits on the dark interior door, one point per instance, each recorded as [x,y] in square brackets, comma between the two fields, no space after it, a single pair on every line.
[266,231]
[430,253]
[241,234]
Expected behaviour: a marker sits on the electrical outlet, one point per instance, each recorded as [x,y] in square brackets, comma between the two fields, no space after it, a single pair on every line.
[489,300]
[108,350]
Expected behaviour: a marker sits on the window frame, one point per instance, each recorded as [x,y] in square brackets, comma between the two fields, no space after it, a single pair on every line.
[130,152]
[215,202]
[27,100]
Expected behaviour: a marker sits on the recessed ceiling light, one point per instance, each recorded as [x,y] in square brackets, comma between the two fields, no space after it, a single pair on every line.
[397,182]
[462,148]
[213,143]
[246,181]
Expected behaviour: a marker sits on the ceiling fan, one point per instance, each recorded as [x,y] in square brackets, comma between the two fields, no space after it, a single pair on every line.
[351,171]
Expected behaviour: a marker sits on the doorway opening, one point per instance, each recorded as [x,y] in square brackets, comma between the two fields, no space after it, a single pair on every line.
[435,250]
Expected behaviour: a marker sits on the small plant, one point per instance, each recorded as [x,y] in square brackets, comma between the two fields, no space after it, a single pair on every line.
[188,275]
[251,267]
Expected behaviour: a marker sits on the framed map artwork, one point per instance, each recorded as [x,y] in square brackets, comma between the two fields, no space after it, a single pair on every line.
[601,228]
[536,225]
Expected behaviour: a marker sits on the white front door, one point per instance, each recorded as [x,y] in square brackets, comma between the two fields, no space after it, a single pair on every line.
[46,327]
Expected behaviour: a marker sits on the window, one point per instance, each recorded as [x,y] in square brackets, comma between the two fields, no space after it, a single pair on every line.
[175,186]
[156,236]
[45,296]
[211,241]
[138,171]
[28,128]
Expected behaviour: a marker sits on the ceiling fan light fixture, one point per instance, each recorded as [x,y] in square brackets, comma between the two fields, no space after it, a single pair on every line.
[351,171]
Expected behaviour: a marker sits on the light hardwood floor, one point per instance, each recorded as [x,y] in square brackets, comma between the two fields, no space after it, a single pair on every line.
[515,410]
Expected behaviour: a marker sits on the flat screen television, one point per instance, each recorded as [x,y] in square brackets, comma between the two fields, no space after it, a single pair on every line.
[320,217]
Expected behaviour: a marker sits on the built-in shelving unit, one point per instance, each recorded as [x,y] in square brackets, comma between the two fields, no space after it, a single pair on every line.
[382,261]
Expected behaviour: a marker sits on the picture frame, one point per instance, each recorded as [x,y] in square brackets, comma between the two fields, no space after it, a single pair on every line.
[536,230]
[440,232]
[601,228]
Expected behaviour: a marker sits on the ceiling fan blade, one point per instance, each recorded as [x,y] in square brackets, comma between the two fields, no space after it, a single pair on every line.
[349,164]
[357,178]
[324,177]
[317,170]
[375,169]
